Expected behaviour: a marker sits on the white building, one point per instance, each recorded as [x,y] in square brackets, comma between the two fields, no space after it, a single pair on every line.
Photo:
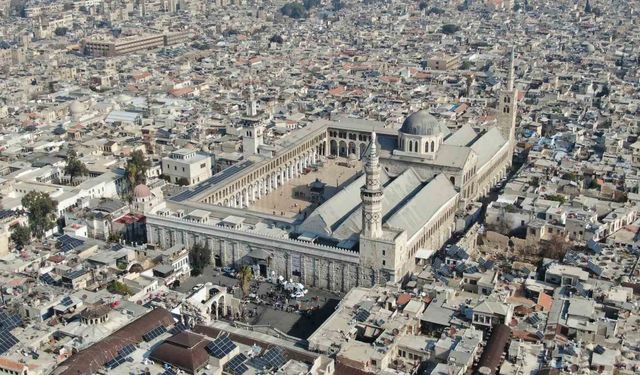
[185,166]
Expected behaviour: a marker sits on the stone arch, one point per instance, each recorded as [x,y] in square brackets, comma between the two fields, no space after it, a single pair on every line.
[352,148]
[342,149]
[363,148]
[333,147]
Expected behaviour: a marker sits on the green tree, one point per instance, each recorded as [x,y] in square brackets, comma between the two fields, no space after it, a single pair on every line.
[246,275]
[136,169]
[587,7]
[423,5]
[450,29]
[294,10]
[199,258]
[119,287]
[75,167]
[42,212]
[60,31]
[308,4]
[183,181]
[21,235]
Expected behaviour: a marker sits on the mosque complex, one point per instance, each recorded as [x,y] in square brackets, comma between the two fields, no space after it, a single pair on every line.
[372,228]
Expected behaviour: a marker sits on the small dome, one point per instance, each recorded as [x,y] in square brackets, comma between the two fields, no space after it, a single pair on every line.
[422,123]
[76,107]
[141,191]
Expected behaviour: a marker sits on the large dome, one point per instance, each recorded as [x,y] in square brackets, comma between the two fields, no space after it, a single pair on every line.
[422,123]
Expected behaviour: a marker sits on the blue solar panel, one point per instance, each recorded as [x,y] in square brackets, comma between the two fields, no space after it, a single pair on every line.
[275,357]
[126,350]
[179,327]
[236,365]
[154,333]
[220,347]
[48,279]
[258,363]
[212,181]
[66,301]
[68,243]
[74,274]
[7,341]
[169,372]
[362,315]
[9,321]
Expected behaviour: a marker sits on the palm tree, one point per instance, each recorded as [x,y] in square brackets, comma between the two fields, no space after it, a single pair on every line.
[246,275]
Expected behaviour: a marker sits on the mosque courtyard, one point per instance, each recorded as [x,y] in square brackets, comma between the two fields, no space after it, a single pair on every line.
[295,196]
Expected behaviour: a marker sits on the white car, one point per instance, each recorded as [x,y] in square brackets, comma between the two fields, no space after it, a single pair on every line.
[297,294]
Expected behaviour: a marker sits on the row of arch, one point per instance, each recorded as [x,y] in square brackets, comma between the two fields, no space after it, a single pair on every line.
[344,149]
[244,192]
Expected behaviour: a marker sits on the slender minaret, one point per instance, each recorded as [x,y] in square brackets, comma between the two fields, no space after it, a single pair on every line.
[508,106]
[252,105]
[371,194]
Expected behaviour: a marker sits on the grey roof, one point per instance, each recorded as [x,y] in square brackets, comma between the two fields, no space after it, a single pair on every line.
[488,145]
[396,193]
[462,137]
[423,123]
[452,156]
[422,206]
[323,218]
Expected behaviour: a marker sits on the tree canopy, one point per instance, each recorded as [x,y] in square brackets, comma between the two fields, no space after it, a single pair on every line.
[75,167]
[136,170]
[199,258]
[60,31]
[119,288]
[21,235]
[246,275]
[294,10]
[42,212]
[450,28]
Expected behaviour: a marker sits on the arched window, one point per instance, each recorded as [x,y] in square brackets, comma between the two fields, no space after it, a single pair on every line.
[410,146]
[426,146]
[433,146]
[452,179]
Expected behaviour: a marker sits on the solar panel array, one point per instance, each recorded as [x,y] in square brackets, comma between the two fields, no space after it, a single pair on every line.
[127,349]
[67,301]
[272,359]
[75,274]
[220,347]
[122,356]
[9,321]
[154,333]
[68,243]
[275,357]
[7,341]
[362,315]
[179,327]
[236,365]
[211,181]
[48,279]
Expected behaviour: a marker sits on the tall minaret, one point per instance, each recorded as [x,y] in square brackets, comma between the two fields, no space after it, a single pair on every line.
[371,194]
[508,106]
[252,105]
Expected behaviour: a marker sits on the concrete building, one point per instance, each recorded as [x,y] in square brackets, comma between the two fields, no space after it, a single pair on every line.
[186,167]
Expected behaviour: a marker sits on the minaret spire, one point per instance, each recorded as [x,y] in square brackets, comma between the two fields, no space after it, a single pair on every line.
[511,69]
[371,194]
